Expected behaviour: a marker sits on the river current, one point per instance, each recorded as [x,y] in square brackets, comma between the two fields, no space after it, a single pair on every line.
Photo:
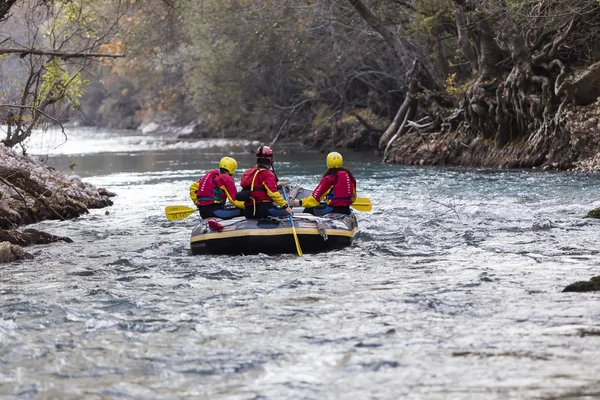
[451,291]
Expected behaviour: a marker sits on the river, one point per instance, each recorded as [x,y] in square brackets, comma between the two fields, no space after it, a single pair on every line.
[451,291]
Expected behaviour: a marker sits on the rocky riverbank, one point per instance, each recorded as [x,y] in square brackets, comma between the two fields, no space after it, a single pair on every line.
[30,192]
[574,147]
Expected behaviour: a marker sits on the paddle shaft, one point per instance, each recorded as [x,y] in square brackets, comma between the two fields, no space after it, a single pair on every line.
[298,248]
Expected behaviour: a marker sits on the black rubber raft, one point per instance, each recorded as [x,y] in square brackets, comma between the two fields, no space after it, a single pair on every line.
[274,235]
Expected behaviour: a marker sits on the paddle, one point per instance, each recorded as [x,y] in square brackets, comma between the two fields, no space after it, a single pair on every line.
[298,249]
[174,213]
[362,204]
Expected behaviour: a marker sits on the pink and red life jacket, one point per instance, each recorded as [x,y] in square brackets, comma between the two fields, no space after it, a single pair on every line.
[253,180]
[209,188]
[343,188]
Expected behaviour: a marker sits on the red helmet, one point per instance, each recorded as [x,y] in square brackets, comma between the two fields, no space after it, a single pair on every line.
[264,152]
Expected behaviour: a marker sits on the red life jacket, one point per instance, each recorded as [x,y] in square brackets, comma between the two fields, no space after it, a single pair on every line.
[343,189]
[252,180]
[208,189]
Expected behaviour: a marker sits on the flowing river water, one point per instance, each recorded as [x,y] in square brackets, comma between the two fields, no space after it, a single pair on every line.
[451,291]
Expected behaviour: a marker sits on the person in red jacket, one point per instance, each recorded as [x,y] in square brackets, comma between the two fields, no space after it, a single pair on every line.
[259,189]
[337,188]
[212,191]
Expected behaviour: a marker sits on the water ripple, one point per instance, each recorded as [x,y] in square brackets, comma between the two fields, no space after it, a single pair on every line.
[452,290]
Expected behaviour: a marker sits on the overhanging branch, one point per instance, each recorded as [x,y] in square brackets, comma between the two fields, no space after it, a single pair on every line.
[57,53]
[62,128]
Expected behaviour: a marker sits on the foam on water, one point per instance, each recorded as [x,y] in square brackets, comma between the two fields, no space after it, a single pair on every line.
[78,141]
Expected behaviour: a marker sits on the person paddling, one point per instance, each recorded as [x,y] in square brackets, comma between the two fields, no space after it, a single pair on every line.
[337,187]
[259,189]
[212,191]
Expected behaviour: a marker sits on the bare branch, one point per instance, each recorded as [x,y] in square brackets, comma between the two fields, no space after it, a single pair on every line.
[286,121]
[15,189]
[366,124]
[62,128]
[61,54]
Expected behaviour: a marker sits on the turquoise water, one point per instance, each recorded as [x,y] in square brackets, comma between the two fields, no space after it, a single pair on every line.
[452,290]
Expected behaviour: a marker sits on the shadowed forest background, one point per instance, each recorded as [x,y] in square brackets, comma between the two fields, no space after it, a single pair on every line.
[490,83]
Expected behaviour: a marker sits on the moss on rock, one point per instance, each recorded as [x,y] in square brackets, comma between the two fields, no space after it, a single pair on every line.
[595,213]
[593,285]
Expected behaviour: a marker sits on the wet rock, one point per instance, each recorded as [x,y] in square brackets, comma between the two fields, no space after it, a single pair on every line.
[30,237]
[587,85]
[10,252]
[105,193]
[595,213]
[593,285]
[542,225]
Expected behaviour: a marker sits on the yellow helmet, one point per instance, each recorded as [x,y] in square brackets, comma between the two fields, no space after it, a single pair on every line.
[334,160]
[229,164]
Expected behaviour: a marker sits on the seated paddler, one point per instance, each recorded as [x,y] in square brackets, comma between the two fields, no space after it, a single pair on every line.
[336,191]
[259,189]
[212,191]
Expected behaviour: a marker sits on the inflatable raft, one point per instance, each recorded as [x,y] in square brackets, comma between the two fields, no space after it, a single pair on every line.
[274,235]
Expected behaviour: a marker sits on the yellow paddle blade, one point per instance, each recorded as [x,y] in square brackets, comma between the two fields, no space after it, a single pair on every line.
[174,213]
[298,248]
[362,204]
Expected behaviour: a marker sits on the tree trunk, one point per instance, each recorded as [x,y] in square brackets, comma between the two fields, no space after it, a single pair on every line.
[419,77]
[403,111]
[388,35]
[463,37]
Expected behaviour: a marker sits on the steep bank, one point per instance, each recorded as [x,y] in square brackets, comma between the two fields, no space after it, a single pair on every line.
[576,146]
[31,192]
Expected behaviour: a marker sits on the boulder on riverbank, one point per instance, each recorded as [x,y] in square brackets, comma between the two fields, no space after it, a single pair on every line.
[593,285]
[30,192]
[595,213]
[29,237]
[11,252]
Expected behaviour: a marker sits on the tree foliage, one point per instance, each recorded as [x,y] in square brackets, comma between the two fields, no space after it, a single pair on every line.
[503,71]
[48,44]
[273,65]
